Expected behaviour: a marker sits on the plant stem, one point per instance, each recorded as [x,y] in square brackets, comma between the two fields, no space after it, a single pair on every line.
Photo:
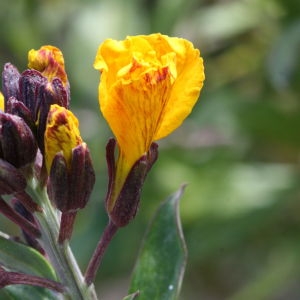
[60,255]
[96,259]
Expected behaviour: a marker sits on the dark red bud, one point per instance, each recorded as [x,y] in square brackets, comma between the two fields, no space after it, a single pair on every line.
[10,82]
[17,142]
[82,177]
[18,108]
[69,187]
[30,90]
[58,187]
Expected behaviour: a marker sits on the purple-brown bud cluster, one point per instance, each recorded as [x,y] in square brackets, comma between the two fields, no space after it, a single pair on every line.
[28,98]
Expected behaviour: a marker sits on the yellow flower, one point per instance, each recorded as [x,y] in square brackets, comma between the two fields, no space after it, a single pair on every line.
[49,61]
[61,135]
[1,102]
[149,85]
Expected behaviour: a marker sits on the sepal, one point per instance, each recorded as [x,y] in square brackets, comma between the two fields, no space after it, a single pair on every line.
[126,204]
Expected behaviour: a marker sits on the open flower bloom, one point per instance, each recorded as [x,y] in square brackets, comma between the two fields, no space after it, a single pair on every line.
[149,85]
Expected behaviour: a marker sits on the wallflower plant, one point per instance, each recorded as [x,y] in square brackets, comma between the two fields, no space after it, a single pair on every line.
[148,85]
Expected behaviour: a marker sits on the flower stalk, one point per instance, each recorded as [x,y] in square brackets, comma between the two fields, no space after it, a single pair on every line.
[94,264]
[60,255]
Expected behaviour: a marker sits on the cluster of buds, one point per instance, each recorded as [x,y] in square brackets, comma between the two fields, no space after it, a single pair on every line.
[39,138]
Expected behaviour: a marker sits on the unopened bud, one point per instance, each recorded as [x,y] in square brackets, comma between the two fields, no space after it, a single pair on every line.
[70,186]
[17,142]
[10,81]
[18,108]
[69,165]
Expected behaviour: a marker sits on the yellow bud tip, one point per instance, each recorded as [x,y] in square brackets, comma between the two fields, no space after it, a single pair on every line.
[1,102]
[61,135]
[49,61]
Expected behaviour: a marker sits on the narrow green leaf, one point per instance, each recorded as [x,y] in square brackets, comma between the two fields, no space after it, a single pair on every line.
[26,292]
[132,296]
[20,258]
[161,263]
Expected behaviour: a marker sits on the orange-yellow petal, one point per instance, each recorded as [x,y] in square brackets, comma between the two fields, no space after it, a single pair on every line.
[149,85]
[61,135]
[49,61]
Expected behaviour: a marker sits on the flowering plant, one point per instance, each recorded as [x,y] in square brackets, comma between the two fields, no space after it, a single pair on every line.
[149,85]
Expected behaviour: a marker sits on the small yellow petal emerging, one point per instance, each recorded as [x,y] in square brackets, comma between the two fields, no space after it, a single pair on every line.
[1,102]
[61,135]
[49,61]
[149,85]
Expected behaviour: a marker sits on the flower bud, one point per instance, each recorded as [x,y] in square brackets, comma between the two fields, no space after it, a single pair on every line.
[10,81]
[70,186]
[17,142]
[69,165]
[43,84]
[18,108]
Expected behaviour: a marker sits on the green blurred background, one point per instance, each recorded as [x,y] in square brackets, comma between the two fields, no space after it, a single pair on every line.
[238,151]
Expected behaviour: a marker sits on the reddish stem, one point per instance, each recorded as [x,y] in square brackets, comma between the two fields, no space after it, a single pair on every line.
[66,226]
[9,278]
[96,259]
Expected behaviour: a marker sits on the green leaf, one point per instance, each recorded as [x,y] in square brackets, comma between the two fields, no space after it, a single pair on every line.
[161,263]
[26,292]
[132,296]
[20,258]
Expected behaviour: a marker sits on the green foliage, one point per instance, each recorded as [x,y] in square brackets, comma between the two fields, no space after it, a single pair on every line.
[26,292]
[20,258]
[160,266]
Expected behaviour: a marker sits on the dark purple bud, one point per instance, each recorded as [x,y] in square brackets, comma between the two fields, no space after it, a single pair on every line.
[69,187]
[18,108]
[58,187]
[11,179]
[17,142]
[52,93]
[82,177]
[31,82]
[10,82]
